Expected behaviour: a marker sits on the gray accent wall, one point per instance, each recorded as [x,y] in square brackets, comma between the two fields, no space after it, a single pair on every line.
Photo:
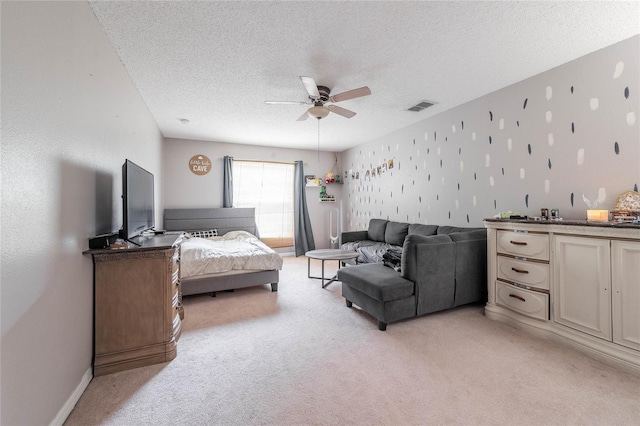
[544,142]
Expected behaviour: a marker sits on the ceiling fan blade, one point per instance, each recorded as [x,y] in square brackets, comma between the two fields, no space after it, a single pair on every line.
[287,103]
[303,116]
[341,111]
[311,87]
[351,94]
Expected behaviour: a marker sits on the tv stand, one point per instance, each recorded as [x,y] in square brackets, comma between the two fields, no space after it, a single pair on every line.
[137,304]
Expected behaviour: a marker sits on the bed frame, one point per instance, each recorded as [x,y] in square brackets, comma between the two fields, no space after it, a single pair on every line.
[224,220]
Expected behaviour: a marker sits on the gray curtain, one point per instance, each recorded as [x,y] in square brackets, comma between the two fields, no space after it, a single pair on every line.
[302,233]
[227,190]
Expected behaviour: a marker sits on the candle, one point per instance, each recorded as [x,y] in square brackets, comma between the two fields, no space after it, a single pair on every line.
[598,215]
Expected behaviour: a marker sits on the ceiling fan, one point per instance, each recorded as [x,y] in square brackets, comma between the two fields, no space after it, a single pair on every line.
[319,96]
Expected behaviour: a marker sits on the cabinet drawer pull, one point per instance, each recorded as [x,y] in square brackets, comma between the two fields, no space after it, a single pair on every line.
[518,243]
[520,271]
[515,296]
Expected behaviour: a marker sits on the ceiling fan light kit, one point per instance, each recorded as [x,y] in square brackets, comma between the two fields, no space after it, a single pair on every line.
[318,111]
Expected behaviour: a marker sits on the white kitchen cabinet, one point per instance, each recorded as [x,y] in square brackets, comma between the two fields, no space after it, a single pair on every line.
[576,282]
[582,277]
[625,285]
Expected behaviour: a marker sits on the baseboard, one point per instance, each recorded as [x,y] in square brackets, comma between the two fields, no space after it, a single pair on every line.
[73,399]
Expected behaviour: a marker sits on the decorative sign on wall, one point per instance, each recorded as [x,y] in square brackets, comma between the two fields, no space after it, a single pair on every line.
[200,164]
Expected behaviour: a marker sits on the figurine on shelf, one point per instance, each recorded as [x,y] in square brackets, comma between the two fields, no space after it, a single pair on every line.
[330,178]
[324,196]
[323,192]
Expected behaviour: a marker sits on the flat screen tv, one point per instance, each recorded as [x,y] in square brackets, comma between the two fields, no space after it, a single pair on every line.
[137,196]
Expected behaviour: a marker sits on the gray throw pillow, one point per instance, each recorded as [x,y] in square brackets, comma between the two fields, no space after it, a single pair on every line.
[395,233]
[376,229]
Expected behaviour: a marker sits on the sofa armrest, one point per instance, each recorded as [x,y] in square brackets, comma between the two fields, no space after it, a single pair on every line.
[435,277]
[471,271]
[429,261]
[349,236]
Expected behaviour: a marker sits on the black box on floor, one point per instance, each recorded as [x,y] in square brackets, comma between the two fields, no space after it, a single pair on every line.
[102,241]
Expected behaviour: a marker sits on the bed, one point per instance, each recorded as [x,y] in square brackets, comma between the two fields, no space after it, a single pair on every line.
[228,222]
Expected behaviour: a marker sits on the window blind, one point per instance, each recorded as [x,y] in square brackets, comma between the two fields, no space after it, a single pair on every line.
[268,187]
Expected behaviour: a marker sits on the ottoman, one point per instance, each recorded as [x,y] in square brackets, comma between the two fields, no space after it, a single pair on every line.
[380,291]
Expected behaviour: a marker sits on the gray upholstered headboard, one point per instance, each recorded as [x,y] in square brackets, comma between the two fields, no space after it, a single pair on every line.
[222,219]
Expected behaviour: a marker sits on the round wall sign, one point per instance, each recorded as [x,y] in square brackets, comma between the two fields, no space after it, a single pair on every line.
[200,164]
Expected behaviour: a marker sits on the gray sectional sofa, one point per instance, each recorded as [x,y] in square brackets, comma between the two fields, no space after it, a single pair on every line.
[441,267]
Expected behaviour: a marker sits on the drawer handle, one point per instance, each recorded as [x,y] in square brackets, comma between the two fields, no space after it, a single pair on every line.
[520,271]
[518,243]
[520,298]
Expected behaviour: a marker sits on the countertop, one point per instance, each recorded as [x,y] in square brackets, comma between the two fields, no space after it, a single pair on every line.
[568,222]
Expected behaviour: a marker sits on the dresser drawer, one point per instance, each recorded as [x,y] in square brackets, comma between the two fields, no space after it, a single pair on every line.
[532,246]
[526,302]
[532,274]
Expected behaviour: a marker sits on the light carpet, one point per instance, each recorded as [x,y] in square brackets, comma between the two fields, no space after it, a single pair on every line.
[301,357]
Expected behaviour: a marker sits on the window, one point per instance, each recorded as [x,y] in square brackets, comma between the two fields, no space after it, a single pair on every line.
[268,187]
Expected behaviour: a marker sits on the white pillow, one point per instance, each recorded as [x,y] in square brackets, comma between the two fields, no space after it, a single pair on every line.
[203,234]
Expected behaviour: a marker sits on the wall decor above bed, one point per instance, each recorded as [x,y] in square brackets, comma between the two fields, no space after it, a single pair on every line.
[200,164]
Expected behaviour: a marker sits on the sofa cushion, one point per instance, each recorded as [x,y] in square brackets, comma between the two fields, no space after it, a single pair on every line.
[480,234]
[416,228]
[377,281]
[409,260]
[451,229]
[368,251]
[395,232]
[376,229]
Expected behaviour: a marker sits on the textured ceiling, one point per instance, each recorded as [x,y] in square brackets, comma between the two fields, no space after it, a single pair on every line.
[215,63]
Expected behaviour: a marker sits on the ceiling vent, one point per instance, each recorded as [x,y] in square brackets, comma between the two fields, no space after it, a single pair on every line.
[422,105]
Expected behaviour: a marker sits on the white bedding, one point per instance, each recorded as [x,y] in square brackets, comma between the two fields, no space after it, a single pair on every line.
[237,250]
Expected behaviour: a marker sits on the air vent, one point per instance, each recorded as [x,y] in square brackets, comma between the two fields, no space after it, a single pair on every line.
[422,105]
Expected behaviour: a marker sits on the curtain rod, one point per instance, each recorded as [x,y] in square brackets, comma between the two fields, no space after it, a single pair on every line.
[266,161]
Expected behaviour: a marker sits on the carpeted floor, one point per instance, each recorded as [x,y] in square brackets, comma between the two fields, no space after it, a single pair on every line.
[301,357]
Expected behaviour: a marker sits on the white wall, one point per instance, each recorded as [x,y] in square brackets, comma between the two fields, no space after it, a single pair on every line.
[184,189]
[70,117]
[540,143]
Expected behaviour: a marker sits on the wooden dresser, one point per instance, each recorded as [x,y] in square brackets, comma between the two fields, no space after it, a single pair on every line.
[137,306]
[577,282]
